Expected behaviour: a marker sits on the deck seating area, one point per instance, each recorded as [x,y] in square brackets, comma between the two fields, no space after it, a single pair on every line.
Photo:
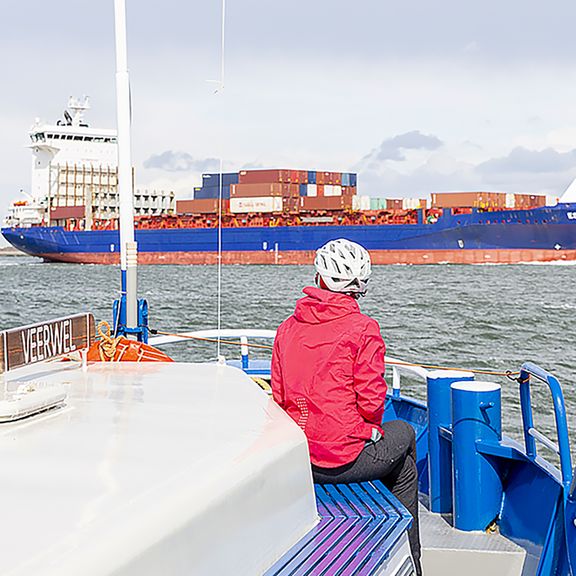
[361,532]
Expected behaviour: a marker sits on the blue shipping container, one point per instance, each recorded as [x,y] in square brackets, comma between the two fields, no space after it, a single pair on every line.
[303,189]
[311,177]
[353,179]
[345,179]
[213,179]
[211,192]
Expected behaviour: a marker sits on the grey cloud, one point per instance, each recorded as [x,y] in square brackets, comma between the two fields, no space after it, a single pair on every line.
[522,160]
[526,171]
[392,149]
[172,161]
[252,166]
[419,183]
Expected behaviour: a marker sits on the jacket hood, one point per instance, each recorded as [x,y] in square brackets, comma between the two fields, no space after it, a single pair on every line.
[322,306]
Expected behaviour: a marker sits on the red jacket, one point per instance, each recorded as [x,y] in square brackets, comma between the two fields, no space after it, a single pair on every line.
[328,375]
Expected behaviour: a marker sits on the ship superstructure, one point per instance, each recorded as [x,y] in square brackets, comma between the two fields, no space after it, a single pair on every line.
[75,176]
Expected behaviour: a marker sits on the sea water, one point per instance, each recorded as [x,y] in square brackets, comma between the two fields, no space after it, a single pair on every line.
[486,317]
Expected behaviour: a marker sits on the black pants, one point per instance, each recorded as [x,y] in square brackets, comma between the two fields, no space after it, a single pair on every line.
[393,461]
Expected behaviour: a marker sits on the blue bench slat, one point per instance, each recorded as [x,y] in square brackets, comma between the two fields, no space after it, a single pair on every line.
[359,524]
[385,521]
[292,562]
[322,561]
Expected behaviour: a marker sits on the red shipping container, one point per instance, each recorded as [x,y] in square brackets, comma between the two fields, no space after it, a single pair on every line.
[303,177]
[525,201]
[256,190]
[263,176]
[319,189]
[290,190]
[201,206]
[469,200]
[337,178]
[308,203]
[394,204]
[291,204]
[294,176]
[64,212]
[320,178]
[348,190]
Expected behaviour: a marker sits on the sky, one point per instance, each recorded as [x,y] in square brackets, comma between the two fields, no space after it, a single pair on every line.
[415,96]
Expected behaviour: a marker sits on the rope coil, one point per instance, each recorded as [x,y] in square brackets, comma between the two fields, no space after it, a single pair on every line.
[108,344]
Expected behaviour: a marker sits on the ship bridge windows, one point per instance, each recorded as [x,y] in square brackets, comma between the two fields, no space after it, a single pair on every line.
[38,137]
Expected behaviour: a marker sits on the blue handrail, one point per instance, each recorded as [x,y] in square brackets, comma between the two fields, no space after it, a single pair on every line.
[531,434]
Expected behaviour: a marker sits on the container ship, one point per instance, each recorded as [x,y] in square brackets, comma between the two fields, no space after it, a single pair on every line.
[276,216]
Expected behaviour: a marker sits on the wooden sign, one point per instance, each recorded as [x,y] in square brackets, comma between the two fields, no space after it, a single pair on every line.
[39,342]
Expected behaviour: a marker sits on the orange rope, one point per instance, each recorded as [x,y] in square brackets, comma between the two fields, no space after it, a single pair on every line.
[215,340]
[434,367]
[508,373]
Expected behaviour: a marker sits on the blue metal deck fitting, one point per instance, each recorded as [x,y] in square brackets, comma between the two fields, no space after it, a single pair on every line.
[359,525]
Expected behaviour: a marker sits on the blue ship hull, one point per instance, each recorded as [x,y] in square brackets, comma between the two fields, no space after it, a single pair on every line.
[505,236]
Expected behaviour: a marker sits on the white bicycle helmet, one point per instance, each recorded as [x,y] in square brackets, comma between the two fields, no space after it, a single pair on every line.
[344,266]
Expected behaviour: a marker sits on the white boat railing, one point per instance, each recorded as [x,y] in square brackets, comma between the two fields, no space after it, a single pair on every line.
[236,333]
[243,336]
[399,369]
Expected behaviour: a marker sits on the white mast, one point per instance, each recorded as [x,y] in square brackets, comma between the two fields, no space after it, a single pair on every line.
[127,263]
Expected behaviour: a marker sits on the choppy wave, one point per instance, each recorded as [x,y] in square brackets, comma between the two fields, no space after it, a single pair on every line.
[484,317]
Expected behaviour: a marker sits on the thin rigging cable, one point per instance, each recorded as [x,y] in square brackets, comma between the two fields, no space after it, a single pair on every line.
[220,183]
[222,45]
[219,305]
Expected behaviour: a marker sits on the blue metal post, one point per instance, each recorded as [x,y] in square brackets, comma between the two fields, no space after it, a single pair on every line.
[244,352]
[439,449]
[477,417]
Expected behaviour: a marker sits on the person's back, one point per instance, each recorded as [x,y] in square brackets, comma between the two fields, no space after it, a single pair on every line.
[332,362]
[328,375]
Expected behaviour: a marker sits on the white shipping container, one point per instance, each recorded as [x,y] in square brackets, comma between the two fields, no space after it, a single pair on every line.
[328,190]
[311,190]
[410,203]
[551,200]
[256,204]
[337,190]
[510,201]
[360,202]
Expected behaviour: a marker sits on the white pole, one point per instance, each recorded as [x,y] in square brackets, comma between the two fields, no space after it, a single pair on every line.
[124,158]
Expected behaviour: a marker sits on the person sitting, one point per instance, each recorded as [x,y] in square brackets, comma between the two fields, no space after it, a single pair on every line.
[328,375]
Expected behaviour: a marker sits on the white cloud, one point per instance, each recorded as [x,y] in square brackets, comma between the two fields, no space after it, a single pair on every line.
[175,161]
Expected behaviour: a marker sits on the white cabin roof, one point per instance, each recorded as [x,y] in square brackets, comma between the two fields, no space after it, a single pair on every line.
[47,129]
[152,468]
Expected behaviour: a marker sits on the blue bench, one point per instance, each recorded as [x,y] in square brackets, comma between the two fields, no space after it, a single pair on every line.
[359,526]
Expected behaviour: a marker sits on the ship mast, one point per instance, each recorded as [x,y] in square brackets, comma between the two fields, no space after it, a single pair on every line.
[128,248]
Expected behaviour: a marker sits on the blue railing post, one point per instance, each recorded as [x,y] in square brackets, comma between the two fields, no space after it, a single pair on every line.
[119,319]
[562,448]
[438,384]
[529,369]
[526,407]
[477,418]
[244,352]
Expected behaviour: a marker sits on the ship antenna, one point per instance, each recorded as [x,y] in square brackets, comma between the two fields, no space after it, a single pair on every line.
[128,248]
[218,90]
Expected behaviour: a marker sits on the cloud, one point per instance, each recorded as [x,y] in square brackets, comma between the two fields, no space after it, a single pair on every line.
[172,161]
[521,161]
[392,149]
[522,170]
[253,166]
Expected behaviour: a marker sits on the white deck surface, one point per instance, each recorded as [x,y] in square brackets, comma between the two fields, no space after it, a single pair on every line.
[152,469]
[450,552]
